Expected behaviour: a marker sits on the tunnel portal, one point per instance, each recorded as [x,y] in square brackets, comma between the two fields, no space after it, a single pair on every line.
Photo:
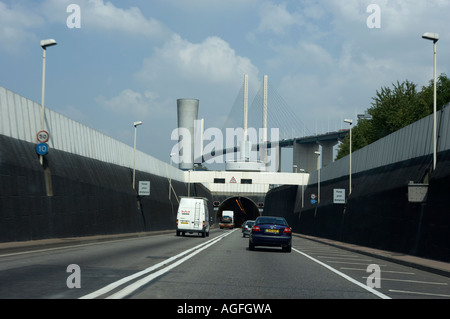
[243,208]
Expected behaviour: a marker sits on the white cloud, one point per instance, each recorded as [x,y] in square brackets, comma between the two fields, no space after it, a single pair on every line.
[106,16]
[276,18]
[212,60]
[17,26]
[98,15]
[129,101]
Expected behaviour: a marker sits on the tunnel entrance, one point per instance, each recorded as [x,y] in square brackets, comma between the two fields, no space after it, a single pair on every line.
[243,208]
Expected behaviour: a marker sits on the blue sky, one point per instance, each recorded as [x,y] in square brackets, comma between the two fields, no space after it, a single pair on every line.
[131,60]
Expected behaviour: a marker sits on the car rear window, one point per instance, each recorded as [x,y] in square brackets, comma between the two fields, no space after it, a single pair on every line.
[270,220]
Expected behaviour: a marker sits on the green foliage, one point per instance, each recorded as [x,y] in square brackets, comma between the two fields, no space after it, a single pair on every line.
[395,108]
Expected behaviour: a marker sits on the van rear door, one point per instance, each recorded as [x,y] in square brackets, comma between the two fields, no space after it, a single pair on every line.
[197,214]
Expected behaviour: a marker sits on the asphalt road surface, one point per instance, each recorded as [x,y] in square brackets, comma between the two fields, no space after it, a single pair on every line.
[218,267]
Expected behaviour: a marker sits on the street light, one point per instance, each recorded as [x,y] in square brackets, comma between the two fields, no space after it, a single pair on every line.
[136,124]
[350,122]
[318,176]
[44,45]
[303,186]
[433,37]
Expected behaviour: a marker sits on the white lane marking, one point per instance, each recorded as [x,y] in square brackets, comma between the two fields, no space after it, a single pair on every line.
[350,263]
[375,292]
[384,271]
[345,258]
[414,281]
[122,281]
[133,287]
[418,293]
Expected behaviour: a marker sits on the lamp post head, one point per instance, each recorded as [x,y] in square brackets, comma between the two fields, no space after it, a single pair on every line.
[431,36]
[348,121]
[47,43]
[137,123]
[317,153]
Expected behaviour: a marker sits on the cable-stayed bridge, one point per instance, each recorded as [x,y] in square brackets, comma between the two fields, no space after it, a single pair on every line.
[264,126]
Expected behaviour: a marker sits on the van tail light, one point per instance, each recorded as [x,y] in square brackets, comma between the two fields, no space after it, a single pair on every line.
[256,228]
[204,224]
[177,222]
[287,230]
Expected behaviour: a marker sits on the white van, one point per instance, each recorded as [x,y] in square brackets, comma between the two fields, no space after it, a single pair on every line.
[193,216]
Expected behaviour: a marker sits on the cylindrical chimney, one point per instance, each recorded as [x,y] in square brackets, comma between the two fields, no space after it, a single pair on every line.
[187,110]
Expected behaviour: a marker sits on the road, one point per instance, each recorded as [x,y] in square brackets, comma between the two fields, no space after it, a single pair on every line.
[218,267]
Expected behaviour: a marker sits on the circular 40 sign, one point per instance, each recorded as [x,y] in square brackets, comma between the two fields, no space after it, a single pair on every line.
[43,136]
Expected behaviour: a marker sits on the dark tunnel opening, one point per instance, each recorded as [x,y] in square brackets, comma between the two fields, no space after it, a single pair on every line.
[243,208]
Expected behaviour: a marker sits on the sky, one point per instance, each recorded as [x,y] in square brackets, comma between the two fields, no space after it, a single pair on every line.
[118,62]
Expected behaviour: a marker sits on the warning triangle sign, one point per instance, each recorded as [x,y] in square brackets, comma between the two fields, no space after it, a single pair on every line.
[233,180]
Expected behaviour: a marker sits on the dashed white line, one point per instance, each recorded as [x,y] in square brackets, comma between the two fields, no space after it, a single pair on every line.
[345,258]
[384,271]
[419,293]
[375,292]
[414,281]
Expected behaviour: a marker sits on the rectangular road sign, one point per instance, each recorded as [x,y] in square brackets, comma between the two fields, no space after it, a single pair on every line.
[144,188]
[339,195]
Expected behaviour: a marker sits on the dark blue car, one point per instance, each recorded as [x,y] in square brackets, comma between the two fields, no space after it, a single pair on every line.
[270,231]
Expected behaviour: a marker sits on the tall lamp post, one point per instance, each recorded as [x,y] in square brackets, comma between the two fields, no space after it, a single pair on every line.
[136,124]
[350,122]
[318,176]
[44,45]
[433,37]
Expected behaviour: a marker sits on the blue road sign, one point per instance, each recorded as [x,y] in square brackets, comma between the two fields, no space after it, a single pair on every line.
[42,149]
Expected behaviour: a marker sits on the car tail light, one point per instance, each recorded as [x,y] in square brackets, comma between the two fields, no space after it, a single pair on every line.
[287,230]
[256,228]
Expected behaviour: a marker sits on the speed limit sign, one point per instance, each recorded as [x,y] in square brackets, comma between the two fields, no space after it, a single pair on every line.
[43,136]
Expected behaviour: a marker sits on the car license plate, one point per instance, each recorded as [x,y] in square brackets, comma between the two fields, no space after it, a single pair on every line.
[274,231]
[184,222]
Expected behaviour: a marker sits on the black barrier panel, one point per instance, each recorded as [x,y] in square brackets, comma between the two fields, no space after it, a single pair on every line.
[89,197]
[377,214]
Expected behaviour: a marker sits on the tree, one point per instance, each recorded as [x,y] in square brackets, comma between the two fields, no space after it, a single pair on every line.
[395,108]
[442,90]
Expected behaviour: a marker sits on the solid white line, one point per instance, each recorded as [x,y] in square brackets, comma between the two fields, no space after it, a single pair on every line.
[375,292]
[122,281]
[138,284]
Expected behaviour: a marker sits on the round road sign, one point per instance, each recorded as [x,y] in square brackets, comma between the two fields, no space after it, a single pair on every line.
[43,136]
[42,149]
